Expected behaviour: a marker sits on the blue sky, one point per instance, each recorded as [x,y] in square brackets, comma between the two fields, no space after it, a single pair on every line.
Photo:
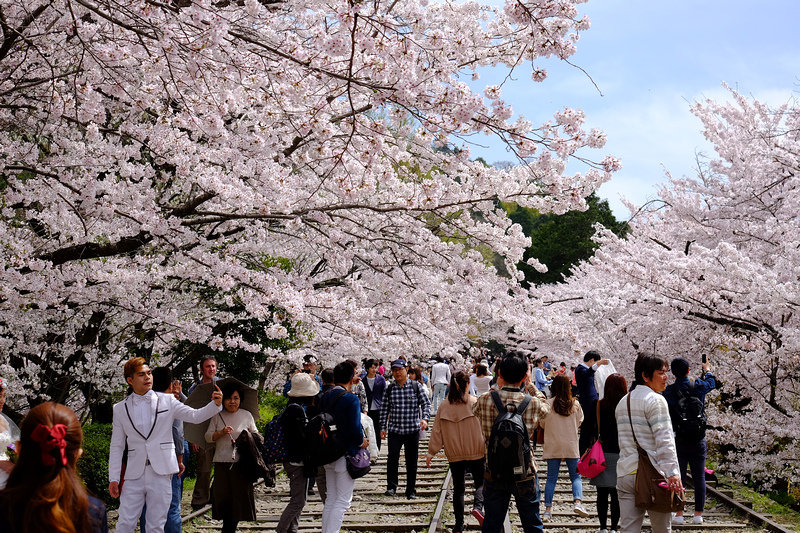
[651,60]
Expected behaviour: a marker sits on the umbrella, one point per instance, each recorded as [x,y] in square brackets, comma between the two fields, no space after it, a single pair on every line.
[201,395]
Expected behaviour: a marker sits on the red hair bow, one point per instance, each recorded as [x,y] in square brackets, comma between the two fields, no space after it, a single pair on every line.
[51,439]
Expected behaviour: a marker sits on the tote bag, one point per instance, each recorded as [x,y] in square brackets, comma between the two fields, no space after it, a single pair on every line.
[593,461]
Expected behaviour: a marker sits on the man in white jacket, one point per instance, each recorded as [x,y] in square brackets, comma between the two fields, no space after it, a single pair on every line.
[143,421]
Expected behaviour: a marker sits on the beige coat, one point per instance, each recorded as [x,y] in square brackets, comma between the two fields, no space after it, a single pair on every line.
[561,433]
[459,431]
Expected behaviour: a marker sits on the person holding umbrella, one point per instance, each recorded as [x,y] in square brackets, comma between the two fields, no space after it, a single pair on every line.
[232,494]
[205,455]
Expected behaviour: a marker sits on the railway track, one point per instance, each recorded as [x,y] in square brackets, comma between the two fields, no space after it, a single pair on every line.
[372,511]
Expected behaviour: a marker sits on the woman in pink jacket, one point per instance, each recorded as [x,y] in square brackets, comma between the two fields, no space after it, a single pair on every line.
[459,431]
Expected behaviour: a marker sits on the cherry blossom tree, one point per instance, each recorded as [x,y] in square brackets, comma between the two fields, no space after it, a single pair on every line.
[168,170]
[713,267]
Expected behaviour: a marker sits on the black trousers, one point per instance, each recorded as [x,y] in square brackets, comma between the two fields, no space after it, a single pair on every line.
[411,444]
[458,469]
[375,416]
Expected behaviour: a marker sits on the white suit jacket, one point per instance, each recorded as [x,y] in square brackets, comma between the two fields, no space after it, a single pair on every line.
[156,445]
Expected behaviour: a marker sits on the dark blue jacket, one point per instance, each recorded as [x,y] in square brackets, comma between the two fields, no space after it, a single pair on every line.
[347,413]
[702,387]
[584,378]
[377,392]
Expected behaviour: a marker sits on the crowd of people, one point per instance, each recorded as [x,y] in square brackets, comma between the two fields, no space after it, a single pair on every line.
[560,408]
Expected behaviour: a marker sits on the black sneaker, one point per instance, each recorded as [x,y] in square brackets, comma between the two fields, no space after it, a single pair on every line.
[412,496]
[390,492]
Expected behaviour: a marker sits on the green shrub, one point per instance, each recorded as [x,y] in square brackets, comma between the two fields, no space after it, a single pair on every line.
[270,403]
[93,464]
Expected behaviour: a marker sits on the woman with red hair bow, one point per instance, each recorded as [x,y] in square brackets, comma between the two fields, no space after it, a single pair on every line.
[44,492]
[9,434]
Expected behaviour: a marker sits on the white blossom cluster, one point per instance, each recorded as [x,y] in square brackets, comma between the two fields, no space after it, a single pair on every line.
[170,167]
[713,267]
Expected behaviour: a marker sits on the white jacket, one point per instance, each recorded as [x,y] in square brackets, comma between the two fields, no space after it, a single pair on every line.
[369,431]
[156,445]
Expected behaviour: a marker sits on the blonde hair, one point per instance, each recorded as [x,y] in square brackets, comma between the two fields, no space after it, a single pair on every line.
[132,366]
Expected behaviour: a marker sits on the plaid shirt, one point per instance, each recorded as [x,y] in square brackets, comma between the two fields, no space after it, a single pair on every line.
[402,410]
[486,412]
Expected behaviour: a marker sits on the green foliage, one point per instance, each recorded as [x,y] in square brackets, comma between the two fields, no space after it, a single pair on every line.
[93,463]
[239,363]
[270,404]
[561,241]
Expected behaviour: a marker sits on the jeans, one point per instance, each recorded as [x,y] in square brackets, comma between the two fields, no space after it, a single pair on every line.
[340,493]
[290,517]
[694,455]
[396,442]
[457,470]
[630,516]
[439,390]
[553,465]
[496,497]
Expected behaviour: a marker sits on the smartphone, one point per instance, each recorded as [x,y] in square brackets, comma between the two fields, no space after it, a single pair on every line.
[664,485]
[705,358]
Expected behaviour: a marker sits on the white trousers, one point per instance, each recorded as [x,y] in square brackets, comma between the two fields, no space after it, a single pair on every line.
[151,488]
[340,494]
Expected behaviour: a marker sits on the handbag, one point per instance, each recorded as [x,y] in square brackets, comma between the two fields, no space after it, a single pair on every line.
[649,495]
[358,463]
[593,460]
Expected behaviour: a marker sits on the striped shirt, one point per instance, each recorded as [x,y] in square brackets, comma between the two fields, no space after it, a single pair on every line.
[650,417]
[487,413]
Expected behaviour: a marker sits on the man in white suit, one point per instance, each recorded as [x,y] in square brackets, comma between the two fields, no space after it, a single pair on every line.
[144,420]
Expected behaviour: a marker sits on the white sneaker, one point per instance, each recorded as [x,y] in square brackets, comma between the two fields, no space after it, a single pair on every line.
[677,520]
[547,516]
[580,511]
[602,531]
[697,519]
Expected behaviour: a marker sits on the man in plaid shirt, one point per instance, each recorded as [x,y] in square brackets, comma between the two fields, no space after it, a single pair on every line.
[512,373]
[404,412]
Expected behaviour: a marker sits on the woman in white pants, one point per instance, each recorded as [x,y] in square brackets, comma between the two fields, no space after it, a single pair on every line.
[346,410]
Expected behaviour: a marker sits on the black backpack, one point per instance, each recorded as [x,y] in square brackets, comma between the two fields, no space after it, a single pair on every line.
[689,416]
[323,440]
[509,452]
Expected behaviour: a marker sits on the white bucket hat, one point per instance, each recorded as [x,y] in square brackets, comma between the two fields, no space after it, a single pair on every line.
[303,385]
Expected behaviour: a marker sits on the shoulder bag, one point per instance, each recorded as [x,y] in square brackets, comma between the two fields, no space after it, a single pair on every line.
[649,495]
